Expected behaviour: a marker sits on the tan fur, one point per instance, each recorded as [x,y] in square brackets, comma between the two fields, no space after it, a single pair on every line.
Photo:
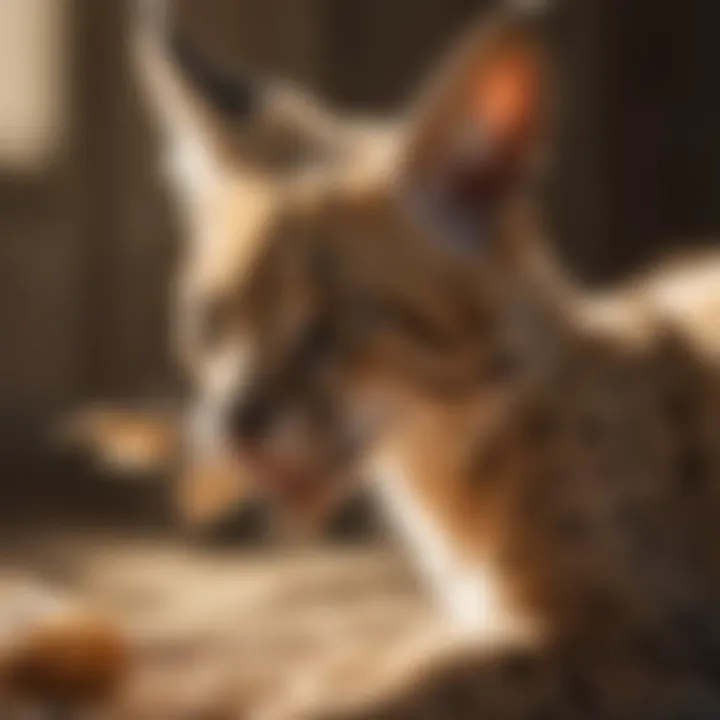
[551,456]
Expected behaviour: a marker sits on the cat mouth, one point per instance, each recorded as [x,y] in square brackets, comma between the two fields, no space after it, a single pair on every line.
[302,473]
[287,480]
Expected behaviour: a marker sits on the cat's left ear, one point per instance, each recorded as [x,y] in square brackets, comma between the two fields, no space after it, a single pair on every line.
[479,130]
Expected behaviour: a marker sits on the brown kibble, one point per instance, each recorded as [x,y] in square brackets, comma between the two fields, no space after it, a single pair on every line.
[64,656]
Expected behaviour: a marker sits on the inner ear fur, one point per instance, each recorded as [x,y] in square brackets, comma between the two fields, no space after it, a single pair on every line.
[496,82]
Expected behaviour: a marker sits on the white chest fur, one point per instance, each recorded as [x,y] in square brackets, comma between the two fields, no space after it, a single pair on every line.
[466,589]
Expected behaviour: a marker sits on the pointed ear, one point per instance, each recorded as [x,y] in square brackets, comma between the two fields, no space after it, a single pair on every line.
[193,126]
[215,120]
[478,131]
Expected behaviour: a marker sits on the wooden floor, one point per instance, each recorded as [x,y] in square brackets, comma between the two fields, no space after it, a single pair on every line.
[211,620]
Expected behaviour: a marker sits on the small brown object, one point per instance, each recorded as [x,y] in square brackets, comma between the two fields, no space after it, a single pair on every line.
[64,655]
[124,440]
[208,489]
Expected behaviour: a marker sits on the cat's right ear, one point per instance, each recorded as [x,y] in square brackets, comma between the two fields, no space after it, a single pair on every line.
[193,127]
[214,120]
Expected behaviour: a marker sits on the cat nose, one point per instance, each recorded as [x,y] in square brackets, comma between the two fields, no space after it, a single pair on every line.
[250,419]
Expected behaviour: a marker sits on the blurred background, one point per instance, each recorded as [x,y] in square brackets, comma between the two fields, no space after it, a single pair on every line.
[87,240]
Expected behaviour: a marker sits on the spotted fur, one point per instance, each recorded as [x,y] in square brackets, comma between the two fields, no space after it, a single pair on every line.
[552,458]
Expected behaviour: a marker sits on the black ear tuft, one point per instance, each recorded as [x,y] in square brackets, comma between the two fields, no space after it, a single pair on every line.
[230,93]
